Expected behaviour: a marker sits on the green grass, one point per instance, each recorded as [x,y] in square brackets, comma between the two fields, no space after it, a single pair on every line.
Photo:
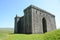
[6,34]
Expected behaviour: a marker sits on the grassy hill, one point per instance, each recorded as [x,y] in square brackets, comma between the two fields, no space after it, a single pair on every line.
[6,34]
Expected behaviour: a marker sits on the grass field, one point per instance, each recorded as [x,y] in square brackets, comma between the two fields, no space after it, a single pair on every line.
[7,34]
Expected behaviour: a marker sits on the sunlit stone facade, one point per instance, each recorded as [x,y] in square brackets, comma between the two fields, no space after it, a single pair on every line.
[35,20]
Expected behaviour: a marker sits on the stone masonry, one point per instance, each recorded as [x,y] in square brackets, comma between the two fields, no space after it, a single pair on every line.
[34,21]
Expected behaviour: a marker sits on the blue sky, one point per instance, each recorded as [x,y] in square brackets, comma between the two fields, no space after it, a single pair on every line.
[9,9]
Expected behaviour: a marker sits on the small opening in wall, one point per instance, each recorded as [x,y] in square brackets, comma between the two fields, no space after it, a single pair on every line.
[36,12]
[40,13]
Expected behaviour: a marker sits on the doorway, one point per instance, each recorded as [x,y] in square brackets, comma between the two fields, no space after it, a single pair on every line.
[44,25]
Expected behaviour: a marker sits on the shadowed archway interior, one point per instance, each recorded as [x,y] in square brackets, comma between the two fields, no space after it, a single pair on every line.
[44,24]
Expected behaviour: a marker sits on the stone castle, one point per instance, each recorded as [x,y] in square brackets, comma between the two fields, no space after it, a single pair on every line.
[35,20]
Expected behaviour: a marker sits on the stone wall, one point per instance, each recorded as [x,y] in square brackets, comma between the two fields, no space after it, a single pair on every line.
[37,16]
[35,20]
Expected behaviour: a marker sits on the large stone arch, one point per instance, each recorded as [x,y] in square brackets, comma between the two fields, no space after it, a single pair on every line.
[44,25]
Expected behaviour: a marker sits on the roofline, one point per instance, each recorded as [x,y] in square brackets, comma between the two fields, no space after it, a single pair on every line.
[32,6]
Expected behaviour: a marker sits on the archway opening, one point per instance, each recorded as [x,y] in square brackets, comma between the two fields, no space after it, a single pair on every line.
[44,25]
